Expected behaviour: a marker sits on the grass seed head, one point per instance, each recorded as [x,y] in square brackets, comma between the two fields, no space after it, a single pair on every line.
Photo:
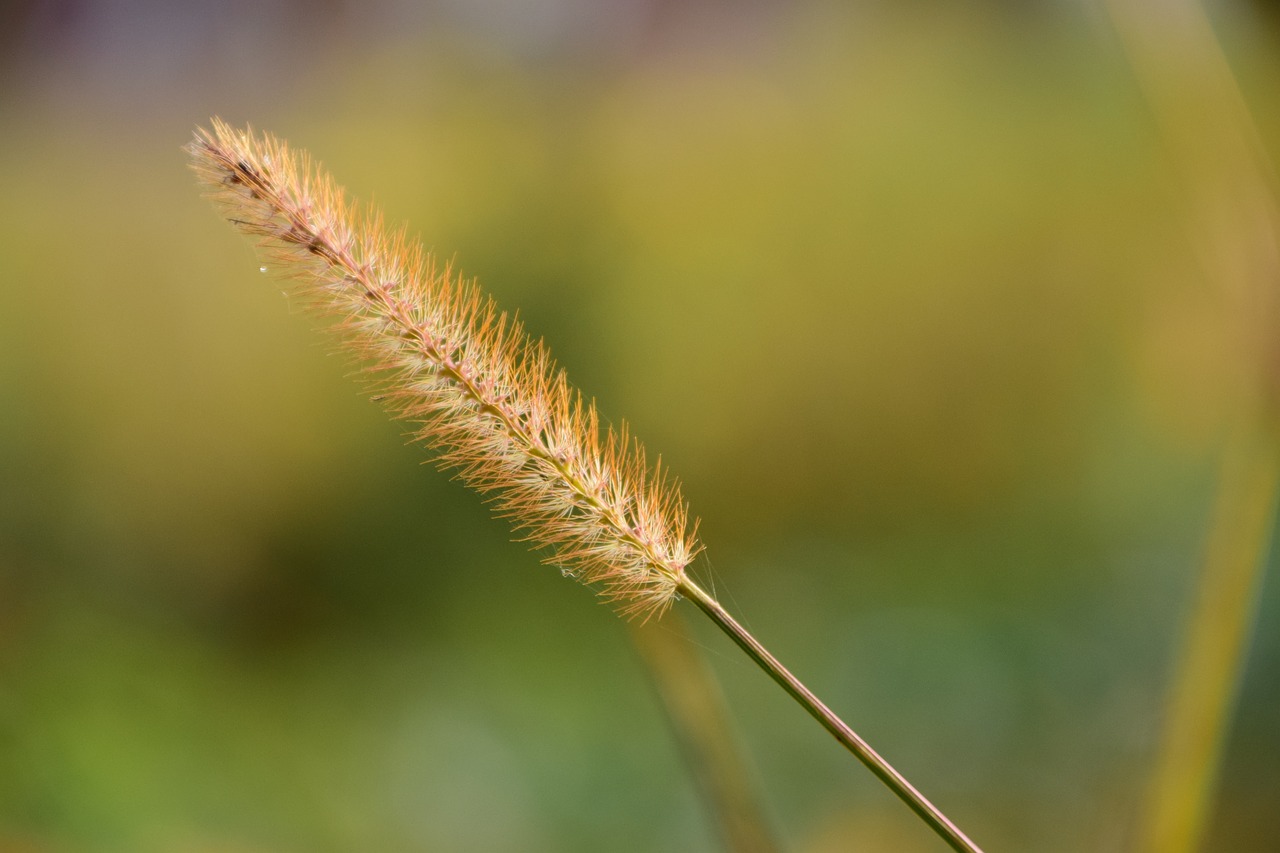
[437,352]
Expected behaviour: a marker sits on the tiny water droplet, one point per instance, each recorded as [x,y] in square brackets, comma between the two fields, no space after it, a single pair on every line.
[262,269]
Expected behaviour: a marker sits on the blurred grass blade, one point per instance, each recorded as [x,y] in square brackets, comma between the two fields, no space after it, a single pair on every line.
[1233,217]
[1206,685]
[696,711]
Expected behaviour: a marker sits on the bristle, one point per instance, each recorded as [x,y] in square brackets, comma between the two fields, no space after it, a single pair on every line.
[485,396]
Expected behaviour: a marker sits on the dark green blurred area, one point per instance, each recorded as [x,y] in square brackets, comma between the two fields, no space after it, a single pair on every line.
[907,298]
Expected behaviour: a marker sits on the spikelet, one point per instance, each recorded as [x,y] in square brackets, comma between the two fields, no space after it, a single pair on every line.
[484,395]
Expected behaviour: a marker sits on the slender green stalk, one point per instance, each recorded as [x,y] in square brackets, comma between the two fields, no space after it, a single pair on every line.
[838,728]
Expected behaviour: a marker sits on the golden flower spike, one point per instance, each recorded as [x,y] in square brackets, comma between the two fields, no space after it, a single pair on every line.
[489,400]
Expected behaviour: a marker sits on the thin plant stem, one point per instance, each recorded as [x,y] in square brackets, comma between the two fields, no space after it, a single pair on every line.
[837,727]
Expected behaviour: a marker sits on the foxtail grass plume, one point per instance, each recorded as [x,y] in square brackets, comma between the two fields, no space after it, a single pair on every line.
[491,401]
[478,389]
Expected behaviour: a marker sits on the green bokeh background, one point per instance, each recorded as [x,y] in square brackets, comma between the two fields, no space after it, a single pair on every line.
[905,295]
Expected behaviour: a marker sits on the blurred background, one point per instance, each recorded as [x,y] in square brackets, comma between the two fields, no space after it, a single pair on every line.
[913,297]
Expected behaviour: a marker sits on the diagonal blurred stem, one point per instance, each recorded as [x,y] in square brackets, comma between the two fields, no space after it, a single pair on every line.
[1204,692]
[1213,144]
[698,716]
[837,727]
